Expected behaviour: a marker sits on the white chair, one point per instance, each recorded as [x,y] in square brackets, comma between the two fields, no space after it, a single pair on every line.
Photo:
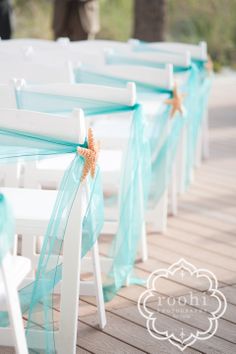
[112,130]
[13,270]
[198,52]
[32,222]
[155,77]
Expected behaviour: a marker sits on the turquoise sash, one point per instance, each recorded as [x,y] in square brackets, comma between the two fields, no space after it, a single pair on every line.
[135,180]
[37,297]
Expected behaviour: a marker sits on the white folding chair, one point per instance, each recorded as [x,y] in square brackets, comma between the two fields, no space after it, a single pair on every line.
[156,77]
[112,130]
[13,270]
[32,222]
[198,52]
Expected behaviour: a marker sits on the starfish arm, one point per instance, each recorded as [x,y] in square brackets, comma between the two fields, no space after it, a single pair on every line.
[172,113]
[85,171]
[169,101]
[86,153]
[91,140]
[92,170]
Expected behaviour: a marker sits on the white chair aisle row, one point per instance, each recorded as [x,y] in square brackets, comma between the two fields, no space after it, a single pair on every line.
[50,69]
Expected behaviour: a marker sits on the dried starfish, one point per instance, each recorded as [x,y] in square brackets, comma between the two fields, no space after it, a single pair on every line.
[90,155]
[209,64]
[176,102]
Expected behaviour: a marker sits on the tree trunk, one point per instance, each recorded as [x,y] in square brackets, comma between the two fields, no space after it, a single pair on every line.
[149,23]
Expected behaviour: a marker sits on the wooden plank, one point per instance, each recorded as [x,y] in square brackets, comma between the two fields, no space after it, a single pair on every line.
[80,350]
[7,350]
[99,342]
[184,250]
[206,243]
[134,334]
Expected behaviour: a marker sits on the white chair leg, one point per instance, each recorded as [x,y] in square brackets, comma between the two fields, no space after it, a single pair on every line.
[15,315]
[158,216]
[205,137]
[199,146]
[28,250]
[173,202]
[181,162]
[70,285]
[98,286]
[69,309]
[143,244]
[15,245]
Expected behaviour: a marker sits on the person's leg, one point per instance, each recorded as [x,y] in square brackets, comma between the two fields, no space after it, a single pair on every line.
[75,28]
[5,20]
[60,18]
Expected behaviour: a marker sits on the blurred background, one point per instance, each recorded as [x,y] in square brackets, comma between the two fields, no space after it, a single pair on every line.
[181,20]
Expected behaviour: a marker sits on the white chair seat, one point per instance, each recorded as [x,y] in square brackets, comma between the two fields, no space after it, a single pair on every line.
[109,161]
[31,205]
[20,267]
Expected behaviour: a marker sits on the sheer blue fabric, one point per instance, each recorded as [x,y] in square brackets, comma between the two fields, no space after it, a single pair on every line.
[202,86]
[135,179]
[37,297]
[199,84]
[162,134]
[116,58]
[6,227]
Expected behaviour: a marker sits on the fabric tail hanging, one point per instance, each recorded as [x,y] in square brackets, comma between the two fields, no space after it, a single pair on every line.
[197,88]
[201,85]
[203,81]
[6,227]
[37,297]
[155,130]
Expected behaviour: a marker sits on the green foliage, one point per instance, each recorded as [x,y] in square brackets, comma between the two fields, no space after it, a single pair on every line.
[211,20]
[32,18]
[187,20]
[116,19]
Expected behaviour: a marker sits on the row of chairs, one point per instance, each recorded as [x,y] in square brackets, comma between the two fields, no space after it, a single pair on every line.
[54,73]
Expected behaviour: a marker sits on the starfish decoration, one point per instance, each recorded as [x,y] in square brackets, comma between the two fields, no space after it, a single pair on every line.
[209,64]
[176,102]
[90,156]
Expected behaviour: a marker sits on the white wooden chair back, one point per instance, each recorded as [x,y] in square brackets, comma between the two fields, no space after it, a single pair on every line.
[27,42]
[198,51]
[37,53]
[181,59]
[35,71]
[122,96]
[106,47]
[156,77]
[45,124]
[7,96]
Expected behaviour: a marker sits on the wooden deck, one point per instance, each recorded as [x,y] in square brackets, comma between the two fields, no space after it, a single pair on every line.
[203,233]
